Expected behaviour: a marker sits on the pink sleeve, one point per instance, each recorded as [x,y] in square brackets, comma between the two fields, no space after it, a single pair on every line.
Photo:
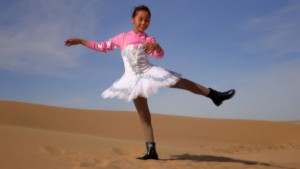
[155,54]
[108,45]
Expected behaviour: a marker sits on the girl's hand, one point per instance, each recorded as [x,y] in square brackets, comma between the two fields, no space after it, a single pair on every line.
[150,47]
[75,41]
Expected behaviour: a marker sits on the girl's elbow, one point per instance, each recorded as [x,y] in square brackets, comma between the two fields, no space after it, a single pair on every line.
[158,55]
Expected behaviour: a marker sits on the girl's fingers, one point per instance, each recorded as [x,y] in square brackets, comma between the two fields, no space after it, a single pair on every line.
[148,47]
[68,42]
[148,50]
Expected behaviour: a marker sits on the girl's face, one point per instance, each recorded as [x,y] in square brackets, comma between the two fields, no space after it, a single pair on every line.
[141,21]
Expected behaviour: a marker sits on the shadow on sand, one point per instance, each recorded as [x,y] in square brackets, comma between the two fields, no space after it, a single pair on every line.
[210,158]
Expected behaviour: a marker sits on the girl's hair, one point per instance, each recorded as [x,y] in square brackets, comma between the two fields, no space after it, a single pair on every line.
[141,8]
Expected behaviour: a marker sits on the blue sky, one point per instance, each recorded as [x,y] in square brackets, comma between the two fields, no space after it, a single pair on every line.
[249,45]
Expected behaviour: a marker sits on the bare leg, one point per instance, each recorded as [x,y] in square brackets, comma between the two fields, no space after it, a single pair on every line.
[191,86]
[216,97]
[142,108]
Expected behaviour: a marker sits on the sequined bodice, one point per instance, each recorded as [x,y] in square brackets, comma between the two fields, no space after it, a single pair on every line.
[135,60]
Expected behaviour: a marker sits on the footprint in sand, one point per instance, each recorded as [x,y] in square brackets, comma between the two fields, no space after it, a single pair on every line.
[52,150]
[125,151]
[118,151]
[92,163]
[87,164]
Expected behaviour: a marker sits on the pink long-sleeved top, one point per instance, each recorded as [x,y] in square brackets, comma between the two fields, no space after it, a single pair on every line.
[124,39]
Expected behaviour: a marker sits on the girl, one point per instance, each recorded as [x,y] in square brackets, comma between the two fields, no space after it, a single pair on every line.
[142,79]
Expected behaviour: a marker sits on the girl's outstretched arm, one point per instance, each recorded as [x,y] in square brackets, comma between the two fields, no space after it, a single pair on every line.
[76,41]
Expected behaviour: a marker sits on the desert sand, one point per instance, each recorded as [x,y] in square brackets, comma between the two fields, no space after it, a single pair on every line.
[45,137]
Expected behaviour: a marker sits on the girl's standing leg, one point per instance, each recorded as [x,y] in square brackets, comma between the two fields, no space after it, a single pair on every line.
[142,108]
[215,96]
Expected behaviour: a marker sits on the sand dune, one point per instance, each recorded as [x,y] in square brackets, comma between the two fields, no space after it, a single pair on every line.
[38,136]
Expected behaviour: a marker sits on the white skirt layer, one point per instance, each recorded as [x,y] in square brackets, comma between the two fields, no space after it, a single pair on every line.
[129,87]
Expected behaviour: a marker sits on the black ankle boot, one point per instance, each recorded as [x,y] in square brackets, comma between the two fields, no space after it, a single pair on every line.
[219,97]
[151,152]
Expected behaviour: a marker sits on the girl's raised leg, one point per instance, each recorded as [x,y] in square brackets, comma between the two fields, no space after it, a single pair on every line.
[191,86]
[216,97]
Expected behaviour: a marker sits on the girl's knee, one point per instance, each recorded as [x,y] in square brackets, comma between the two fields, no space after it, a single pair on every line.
[145,117]
[143,110]
[146,122]
[181,84]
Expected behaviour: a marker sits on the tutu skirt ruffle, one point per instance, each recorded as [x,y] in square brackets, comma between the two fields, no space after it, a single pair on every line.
[129,86]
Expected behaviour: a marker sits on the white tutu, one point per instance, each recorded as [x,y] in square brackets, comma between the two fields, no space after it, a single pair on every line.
[140,78]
